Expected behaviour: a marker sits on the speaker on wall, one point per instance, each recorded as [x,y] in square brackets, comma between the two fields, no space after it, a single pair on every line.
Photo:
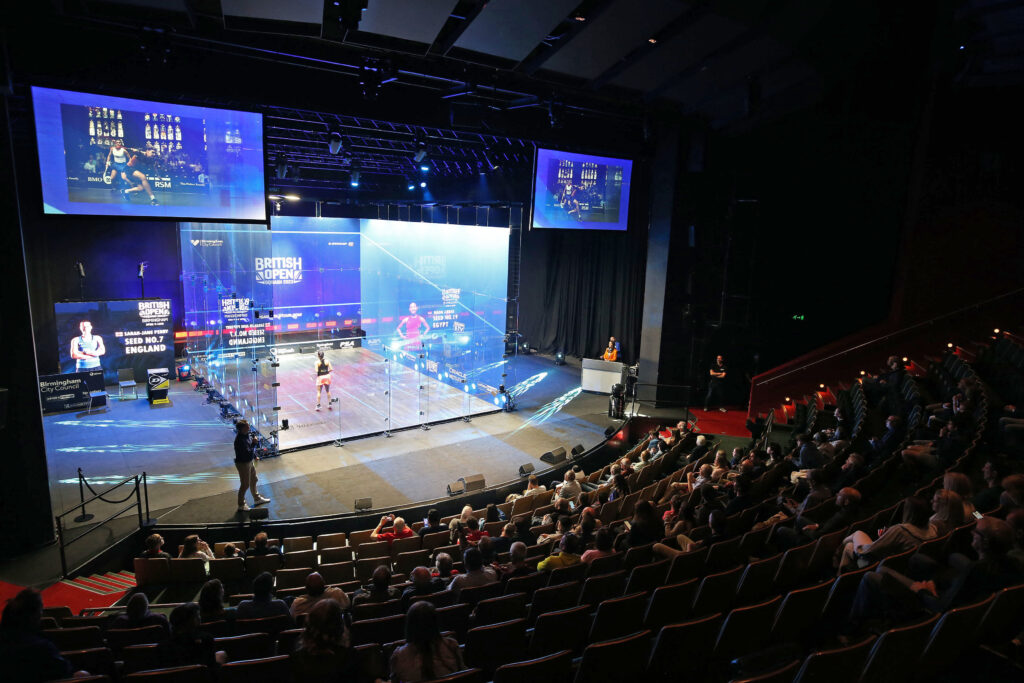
[526,470]
[473,482]
[554,457]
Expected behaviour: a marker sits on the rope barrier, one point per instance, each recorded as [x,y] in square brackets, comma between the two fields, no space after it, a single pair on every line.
[93,491]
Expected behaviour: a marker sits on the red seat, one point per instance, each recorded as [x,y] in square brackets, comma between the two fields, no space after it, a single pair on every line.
[618,617]
[565,629]
[266,670]
[599,588]
[503,608]
[612,661]
[488,647]
[553,667]
[841,665]
[681,651]
[196,673]
[248,646]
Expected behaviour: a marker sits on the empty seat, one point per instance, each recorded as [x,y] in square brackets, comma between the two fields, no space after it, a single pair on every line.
[339,554]
[746,629]
[681,651]
[950,637]
[687,566]
[575,572]
[382,630]
[1002,613]
[895,654]
[196,673]
[138,657]
[270,625]
[247,646]
[488,647]
[336,540]
[266,670]
[841,665]
[151,571]
[606,564]
[455,618]
[475,594]
[553,667]
[599,588]
[553,598]
[799,614]
[405,545]
[118,638]
[641,554]
[498,609]
[670,604]
[298,559]
[257,564]
[526,584]
[647,577]
[376,610]
[473,675]
[783,674]
[298,543]
[227,569]
[723,555]
[337,572]
[716,592]
[77,638]
[95,660]
[613,660]
[794,566]
[618,617]
[358,538]
[374,549]
[565,629]
[291,578]
[407,561]
[757,580]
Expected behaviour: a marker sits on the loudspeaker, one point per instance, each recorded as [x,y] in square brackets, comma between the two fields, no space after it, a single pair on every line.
[363,504]
[456,488]
[526,470]
[577,450]
[554,457]
[259,513]
[611,429]
[473,482]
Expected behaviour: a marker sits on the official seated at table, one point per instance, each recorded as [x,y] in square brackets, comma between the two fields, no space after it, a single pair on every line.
[611,354]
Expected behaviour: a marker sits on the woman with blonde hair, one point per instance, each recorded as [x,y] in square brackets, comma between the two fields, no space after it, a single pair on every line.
[959,483]
[949,511]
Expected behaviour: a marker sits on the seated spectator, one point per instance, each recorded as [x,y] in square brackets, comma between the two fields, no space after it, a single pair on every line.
[25,653]
[858,548]
[645,527]
[492,513]
[821,442]
[517,564]
[716,523]
[805,456]
[937,588]
[948,511]
[804,530]
[474,533]
[322,653]
[502,543]
[941,452]
[854,467]
[959,483]
[1012,497]
[708,501]
[671,516]
[563,525]
[992,472]
[568,554]
[625,466]
[467,514]
[586,528]
[476,573]
[603,541]
[155,547]
[881,447]
[720,466]
[379,589]
[261,546]
[187,644]
[533,486]
[399,529]
[137,615]
[317,590]
[486,548]
[620,487]
[699,449]
[817,494]
[263,603]
[523,533]
[741,499]
[230,551]
[571,488]
[211,603]
[423,583]
[426,654]
[195,547]
[444,568]
[433,523]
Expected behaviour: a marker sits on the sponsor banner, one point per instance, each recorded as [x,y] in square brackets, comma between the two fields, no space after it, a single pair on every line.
[65,392]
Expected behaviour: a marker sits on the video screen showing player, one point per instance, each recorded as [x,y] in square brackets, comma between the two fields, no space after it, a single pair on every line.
[116,156]
[581,191]
[87,348]
[413,328]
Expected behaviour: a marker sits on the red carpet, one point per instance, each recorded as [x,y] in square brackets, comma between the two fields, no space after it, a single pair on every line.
[8,591]
[70,595]
[732,423]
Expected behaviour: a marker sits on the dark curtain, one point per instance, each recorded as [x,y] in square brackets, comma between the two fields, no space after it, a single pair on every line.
[579,287]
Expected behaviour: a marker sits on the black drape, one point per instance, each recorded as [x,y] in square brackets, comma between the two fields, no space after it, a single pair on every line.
[579,287]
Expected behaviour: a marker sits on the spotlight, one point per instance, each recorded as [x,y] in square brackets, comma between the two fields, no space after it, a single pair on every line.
[423,183]
[411,185]
[949,345]
[559,358]
[424,167]
[354,180]
[421,153]
[335,142]
[996,331]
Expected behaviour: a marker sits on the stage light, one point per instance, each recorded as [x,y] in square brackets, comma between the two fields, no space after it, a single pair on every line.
[421,153]
[335,142]
[424,168]
[996,331]
[423,183]
[411,187]
[904,359]
[354,181]
[948,346]
[821,386]
[559,358]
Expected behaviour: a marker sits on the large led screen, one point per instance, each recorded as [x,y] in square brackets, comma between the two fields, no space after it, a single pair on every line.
[113,335]
[105,155]
[581,191]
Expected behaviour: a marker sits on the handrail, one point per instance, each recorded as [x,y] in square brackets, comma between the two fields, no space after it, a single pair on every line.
[847,349]
[139,489]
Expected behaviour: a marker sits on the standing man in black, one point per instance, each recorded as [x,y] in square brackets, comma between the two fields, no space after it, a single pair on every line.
[716,384]
[245,463]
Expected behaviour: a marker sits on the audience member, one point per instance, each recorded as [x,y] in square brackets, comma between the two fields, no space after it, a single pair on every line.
[533,486]
[230,551]
[568,554]
[517,563]
[263,603]
[959,483]
[571,488]
[881,447]
[195,547]
[433,523]
[322,653]
[426,654]
[379,588]
[476,573]
[992,472]
[1012,497]
[261,546]
[563,525]
[858,548]
[699,449]
[399,529]
[138,615]
[211,603]
[805,456]
[317,590]
[502,543]
[854,467]
[603,541]
[25,653]
[187,644]
[804,529]
[645,527]
[423,583]
[154,547]
[742,498]
[948,511]
[620,487]
[444,568]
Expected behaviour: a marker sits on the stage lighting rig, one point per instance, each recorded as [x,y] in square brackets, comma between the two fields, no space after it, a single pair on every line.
[335,143]
[354,179]
[421,153]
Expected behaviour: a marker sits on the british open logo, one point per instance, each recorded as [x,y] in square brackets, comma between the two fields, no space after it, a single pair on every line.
[278,270]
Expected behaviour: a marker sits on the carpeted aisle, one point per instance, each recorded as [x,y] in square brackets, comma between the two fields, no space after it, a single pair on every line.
[731,423]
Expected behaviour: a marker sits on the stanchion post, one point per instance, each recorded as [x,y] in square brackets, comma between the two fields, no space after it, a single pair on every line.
[60,545]
[145,492]
[138,499]
[85,516]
